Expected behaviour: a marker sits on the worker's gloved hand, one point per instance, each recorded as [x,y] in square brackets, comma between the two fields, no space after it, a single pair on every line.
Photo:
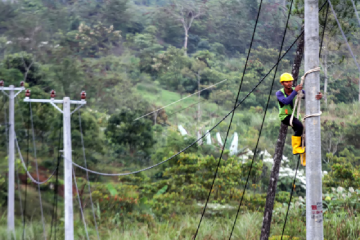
[319,96]
[298,87]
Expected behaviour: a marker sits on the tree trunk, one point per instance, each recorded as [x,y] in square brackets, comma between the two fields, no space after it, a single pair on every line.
[298,58]
[270,198]
[199,110]
[199,114]
[186,39]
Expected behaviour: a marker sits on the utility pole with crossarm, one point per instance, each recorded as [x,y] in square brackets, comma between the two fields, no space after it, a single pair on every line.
[68,168]
[11,181]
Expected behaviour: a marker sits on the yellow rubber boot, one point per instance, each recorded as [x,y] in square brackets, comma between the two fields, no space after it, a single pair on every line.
[303,159]
[296,145]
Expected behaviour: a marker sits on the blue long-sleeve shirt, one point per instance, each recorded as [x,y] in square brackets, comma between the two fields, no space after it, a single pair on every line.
[289,99]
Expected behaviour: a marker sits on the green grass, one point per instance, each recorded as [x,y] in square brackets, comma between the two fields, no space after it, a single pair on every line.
[248,227]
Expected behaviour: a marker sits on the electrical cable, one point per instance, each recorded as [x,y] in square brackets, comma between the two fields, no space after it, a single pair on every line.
[57,199]
[80,206]
[291,194]
[191,105]
[26,184]
[231,119]
[181,99]
[323,33]
[356,12]
[262,124]
[54,215]
[19,192]
[37,169]
[193,143]
[87,176]
[183,150]
[343,34]
[26,169]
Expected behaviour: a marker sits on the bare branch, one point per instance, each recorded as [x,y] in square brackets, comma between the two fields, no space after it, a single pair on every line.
[27,68]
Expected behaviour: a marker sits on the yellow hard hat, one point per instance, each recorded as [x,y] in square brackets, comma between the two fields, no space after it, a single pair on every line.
[286,77]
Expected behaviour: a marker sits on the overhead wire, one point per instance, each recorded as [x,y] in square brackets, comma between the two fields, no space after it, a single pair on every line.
[57,190]
[231,119]
[343,34]
[54,215]
[19,192]
[26,184]
[356,12]
[323,33]
[26,168]
[87,175]
[191,105]
[197,140]
[204,135]
[291,195]
[18,182]
[37,169]
[263,120]
[181,99]
[80,206]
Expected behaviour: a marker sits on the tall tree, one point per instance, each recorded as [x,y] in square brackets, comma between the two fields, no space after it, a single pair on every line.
[185,12]
[270,197]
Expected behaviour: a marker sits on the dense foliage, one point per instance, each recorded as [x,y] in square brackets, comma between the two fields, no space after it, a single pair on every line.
[135,57]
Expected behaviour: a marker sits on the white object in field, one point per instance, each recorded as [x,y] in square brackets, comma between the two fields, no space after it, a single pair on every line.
[208,138]
[218,138]
[182,130]
[234,145]
[199,136]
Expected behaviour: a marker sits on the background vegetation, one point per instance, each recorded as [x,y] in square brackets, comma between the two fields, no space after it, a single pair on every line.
[135,56]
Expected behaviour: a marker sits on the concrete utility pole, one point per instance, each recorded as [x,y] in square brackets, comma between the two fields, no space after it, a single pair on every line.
[314,213]
[11,160]
[68,170]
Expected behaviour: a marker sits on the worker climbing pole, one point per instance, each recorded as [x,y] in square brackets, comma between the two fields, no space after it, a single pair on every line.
[270,199]
[287,108]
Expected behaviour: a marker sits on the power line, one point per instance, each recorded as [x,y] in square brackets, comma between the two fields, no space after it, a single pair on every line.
[26,169]
[262,124]
[87,176]
[323,33]
[54,215]
[356,12]
[191,105]
[231,119]
[26,184]
[80,206]
[180,99]
[343,34]
[37,169]
[238,104]
[19,193]
[291,194]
